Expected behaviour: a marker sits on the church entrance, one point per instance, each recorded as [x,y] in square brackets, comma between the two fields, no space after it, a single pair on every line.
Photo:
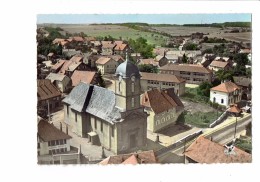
[132,141]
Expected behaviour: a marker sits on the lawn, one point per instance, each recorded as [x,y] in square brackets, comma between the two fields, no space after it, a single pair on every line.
[198,119]
[244,144]
[115,31]
[191,95]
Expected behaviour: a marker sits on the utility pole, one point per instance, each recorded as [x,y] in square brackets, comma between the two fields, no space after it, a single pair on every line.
[235,127]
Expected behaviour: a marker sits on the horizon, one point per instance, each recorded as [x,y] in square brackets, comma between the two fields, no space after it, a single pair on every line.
[171,19]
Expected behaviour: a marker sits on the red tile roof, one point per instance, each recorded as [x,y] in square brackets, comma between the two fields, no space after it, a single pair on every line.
[161,100]
[48,132]
[148,61]
[120,47]
[186,67]
[234,109]
[46,90]
[206,151]
[145,157]
[78,39]
[162,77]
[103,60]
[58,64]
[226,87]
[219,64]
[82,76]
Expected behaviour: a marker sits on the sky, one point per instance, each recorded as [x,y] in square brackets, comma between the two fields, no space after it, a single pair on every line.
[145,18]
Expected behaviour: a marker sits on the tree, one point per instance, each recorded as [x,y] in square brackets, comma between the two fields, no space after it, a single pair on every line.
[148,68]
[184,58]
[224,75]
[101,81]
[204,89]
[191,46]
[141,45]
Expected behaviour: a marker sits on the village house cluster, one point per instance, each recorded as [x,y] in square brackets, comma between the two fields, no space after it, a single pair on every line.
[107,100]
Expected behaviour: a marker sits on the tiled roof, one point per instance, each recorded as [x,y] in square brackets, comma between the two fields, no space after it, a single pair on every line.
[145,157]
[148,61]
[161,100]
[116,57]
[219,64]
[120,47]
[58,64]
[65,66]
[234,109]
[48,132]
[94,100]
[55,76]
[161,77]
[206,151]
[76,58]
[78,39]
[46,90]
[108,46]
[185,67]
[117,42]
[82,76]
[72,64]
[221,58]
[103,60]
[57,40]
[226,87]
[242,81]
[90,39]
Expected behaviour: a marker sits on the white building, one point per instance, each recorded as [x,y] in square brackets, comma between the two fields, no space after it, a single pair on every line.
[226,93]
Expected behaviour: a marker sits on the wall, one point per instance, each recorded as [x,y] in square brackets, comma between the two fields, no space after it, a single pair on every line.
[44,148]
[136,125]
[219,96]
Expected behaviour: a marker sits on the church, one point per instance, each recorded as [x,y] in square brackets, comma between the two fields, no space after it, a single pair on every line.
[114,120]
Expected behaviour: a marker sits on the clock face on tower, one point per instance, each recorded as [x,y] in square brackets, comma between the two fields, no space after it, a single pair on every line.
[133,78]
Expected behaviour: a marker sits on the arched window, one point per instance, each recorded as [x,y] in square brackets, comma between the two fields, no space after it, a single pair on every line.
[222,101]
[214,99]
[119,86]
[133,87]
[133,102]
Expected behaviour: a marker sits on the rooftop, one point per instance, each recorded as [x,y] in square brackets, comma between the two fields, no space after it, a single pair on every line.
[48,132]
[206,151]
[103,60]
[46,90]
[82,76]
[186,67]
[242,81]
[161,100]
[226,87]
[162,77]
[219,64]
[145,157]
[55,76]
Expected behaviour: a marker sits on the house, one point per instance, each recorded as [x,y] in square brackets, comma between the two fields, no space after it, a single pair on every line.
[120,49]
[51,56]
[62,82]
[107,47]
[119,59]
[106,65]
[89,77]
[207,59]
[136,56]
[115,120]
[56,68]
[226,93]
[48,96]
[75,63]
[144,157]
[162,81]
[205,151]
[163,108]
[53,145]
[149,61]
[167,58]
[195,74]
[220,65]
[246,84]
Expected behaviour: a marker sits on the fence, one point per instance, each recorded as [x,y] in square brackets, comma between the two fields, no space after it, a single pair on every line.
[178,143]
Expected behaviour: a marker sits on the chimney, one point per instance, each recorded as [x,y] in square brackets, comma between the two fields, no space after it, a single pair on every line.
[60,126]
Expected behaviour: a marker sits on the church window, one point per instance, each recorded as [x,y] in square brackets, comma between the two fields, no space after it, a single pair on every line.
[119,85]
[222,101]
[101,126]
[133,87]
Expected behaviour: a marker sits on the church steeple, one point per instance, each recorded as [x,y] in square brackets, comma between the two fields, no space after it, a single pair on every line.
[127,85]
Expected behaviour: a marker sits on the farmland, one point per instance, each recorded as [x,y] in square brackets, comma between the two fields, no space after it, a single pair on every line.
[115,31]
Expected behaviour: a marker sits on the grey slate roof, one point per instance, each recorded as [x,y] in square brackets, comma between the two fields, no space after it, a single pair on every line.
[95,100]
[102,104]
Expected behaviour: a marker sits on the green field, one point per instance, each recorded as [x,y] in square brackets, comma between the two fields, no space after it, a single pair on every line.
[115,31]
